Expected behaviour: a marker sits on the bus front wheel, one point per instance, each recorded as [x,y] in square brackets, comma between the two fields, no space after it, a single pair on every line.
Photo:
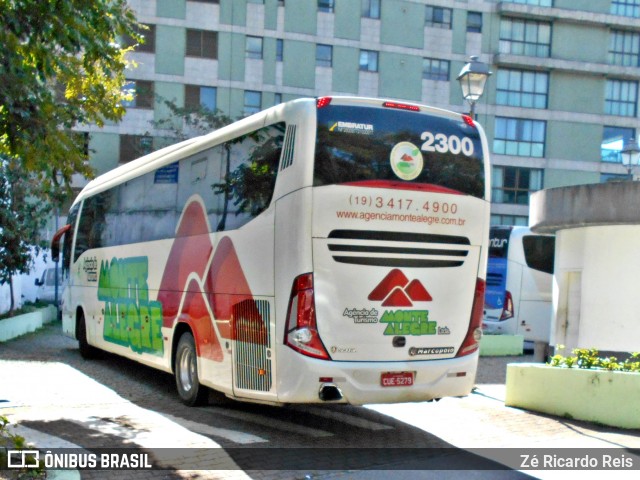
[186,372]
[86,351]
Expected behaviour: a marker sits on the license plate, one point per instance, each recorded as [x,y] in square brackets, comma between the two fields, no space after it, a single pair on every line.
[396,379]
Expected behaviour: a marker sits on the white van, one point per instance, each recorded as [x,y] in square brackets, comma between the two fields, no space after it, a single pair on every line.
[47,285]
[519,284]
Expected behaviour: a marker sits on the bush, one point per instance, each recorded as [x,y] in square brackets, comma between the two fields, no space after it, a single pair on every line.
[588,358]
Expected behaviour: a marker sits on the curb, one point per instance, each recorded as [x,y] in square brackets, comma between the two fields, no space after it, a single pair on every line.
[13,327]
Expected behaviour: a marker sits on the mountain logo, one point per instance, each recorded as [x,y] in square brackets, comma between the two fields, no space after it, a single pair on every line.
[406,161]
[395,290]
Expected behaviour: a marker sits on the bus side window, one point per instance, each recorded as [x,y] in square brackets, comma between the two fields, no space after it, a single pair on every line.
[91,229]
[539,252]
[252,165]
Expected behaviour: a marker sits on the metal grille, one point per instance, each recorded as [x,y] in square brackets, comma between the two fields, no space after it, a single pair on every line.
[288,148]
[396,249]
[253,340]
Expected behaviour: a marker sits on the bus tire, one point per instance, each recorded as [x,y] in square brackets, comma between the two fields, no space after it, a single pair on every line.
[186,373]
[86,351]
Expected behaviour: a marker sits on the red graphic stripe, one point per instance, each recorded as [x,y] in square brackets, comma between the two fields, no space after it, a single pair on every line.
[189,254]
[196,314]
[396,185]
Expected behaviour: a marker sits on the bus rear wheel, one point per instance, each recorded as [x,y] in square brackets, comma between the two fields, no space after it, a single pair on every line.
[186,372]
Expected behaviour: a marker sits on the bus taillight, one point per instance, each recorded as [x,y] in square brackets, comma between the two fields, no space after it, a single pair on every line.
[301,332]
[474,334]
[469,121]
[507,310]
[323,102]
[401,106]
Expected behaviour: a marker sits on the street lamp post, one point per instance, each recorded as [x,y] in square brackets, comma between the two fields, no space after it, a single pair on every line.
[630,156]
[472,78]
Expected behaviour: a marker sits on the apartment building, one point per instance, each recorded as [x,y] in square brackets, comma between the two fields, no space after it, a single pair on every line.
[561,102]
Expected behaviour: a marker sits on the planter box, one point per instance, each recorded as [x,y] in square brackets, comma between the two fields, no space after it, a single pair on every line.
[501,345]
[600,396]
[29,322]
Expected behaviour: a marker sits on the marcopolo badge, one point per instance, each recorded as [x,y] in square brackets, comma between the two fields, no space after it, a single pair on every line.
[406,161]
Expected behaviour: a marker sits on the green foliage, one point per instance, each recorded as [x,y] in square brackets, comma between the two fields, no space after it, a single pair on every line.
[61,66]
[588,358]
[11,441]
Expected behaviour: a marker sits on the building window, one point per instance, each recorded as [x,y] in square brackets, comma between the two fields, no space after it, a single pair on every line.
[149,44]
[141,92]
[252,102]
[518,88]
[541,3]
[474,22]
[613,140]
[196,97]
[205,1]
[277,98]
[253,48]
[134,146]
[525,37]
[324,55]
[326,6]
[519,137]
[626,8]
[435,69]
[368,61]
[202,43]
[438,17]
[371,8]
[279,49]
[624,48]
[514,184]
[516,220]
[620,98]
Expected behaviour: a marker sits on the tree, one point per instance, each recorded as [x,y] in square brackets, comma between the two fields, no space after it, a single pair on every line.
[24,206]
[61,66]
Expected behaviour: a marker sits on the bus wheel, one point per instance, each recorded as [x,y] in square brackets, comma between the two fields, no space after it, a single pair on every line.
[86,351]
[186,372]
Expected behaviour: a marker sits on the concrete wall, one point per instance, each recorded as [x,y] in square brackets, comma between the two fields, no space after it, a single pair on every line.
[595,291]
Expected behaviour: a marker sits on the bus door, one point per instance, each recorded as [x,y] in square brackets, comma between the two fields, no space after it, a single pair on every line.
[64,236]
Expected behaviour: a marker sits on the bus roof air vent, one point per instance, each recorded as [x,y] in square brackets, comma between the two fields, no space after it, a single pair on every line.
[288,147]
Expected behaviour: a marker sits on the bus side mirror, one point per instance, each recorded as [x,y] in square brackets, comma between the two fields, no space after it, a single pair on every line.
[55,242]
[39,282]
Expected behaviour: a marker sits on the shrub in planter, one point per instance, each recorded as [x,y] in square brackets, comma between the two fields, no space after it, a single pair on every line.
[582,386]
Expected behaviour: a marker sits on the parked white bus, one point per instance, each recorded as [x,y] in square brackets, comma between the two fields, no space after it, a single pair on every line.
[323,250]
[519,284]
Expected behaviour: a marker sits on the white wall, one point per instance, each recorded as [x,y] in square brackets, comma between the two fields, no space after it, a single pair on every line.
[597,288]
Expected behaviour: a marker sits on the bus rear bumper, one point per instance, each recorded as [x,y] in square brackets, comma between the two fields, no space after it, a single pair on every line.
[359,383]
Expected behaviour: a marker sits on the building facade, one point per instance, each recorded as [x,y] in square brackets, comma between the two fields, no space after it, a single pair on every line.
[562,99]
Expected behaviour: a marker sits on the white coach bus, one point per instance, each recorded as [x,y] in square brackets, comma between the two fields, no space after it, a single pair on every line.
[323,250]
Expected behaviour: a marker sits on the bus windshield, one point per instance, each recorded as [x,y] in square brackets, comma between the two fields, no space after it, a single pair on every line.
[355,144]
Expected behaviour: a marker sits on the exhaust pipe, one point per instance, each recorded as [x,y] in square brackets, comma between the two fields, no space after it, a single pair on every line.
[329,393]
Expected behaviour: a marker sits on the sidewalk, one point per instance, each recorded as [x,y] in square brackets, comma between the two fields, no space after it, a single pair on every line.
[482,421]
[32,372]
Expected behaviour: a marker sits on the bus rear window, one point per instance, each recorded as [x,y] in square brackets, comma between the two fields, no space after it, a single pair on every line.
[358,144]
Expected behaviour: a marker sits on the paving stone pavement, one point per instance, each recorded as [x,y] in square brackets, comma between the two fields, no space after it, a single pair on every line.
[33,368]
